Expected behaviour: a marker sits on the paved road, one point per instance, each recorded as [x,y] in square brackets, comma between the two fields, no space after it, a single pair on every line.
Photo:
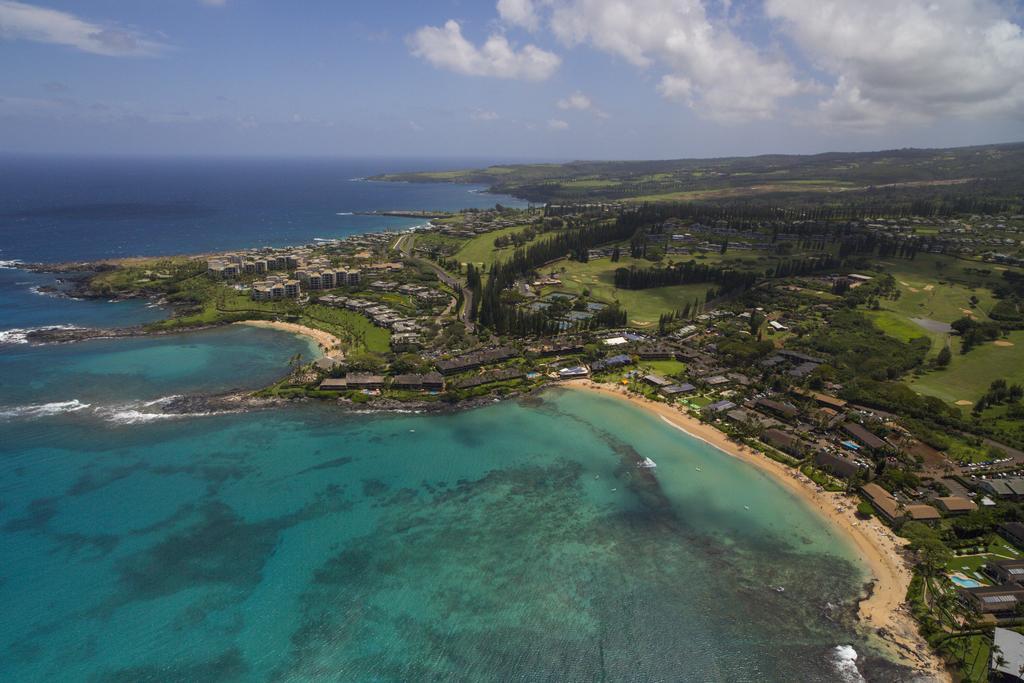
[405,245]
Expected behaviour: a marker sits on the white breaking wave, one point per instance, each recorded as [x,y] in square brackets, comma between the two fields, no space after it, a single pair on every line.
[344,213]
[844,659]
[44,409]
[19,335]
[133,417]
[12,263]
[134,413]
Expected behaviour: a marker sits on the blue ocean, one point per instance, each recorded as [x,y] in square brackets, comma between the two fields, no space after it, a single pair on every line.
[83,209]
[518,541]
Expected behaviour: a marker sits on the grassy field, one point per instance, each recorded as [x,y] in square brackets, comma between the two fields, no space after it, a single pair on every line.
[480,249]
[643,305]
[664,367]
[969,376]
[901,327]
[226,306]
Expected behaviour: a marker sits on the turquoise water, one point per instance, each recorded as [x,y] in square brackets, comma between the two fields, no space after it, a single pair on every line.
[519,541]
[116,378]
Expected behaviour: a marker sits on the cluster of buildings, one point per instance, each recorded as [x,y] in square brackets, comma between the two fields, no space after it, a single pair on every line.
[230,266]
[276,287]
[479,223]
[380,314]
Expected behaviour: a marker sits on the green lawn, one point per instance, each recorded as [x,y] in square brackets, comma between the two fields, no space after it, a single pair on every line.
[902,328]
[664,367]
[643,305]
[480,249]
[969,376]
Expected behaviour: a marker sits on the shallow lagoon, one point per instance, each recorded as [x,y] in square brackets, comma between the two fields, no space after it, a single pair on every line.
[514,541]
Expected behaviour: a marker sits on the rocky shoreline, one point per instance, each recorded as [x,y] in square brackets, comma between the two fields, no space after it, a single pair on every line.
[245,401]
[68,335]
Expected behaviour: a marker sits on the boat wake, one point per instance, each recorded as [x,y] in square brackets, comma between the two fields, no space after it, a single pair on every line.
[844,659]
[19,335]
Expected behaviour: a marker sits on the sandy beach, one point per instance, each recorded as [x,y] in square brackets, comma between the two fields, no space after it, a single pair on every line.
[330,346]
[878,547]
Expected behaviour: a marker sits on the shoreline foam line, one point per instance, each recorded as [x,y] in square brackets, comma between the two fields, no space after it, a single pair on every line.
[879,549]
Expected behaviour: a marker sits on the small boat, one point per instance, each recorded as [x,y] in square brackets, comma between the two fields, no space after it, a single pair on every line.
[648,464]
[697,469]
[779,589]
[746,507]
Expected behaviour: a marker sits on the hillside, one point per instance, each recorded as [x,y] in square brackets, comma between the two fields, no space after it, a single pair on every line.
[991,171]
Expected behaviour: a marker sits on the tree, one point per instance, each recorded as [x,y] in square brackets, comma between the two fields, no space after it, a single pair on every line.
[932,553]
[945,355]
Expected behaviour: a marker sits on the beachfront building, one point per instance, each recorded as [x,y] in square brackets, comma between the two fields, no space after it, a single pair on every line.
[997,601]
[887,507]
[292,289]
[1006,571]
[956,505]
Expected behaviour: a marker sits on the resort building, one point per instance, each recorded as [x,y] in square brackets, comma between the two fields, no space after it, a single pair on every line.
[998,601]
[956,505]
[364,381]
[883,502]
[1006,571]
[291,289]
[334,384]
[864,437]
[838,465]
[785,442]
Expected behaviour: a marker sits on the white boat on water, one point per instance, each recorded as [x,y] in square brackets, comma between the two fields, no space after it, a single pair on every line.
[648,464]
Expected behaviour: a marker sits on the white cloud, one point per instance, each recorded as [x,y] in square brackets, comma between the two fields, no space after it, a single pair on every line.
[577,100]
[706,65]
[909,61]
[484,115]
[21,21]
[558,124]
[446,48]
[519,13]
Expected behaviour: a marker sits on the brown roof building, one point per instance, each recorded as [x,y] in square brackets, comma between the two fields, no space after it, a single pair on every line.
[956,505]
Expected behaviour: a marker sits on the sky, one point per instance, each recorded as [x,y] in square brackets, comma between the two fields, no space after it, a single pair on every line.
[509,80]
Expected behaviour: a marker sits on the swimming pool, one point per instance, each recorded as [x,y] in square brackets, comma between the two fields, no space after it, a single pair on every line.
[964,582]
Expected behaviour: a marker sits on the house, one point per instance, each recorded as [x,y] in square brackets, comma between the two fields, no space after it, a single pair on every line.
[573,372]
[612,362]
[922,513]
[1013,531]
[719,407]
[837,465]
[785,442]
[334,384]
[1011,487]
[364,381]
[657,381]
[786,410]
[956,505]
[408,381]
[883,501]
[433,381]
[1008,654]
[657,353]
[823,400]
[995,600]
[863,436]
[673,390]
[1006,571]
